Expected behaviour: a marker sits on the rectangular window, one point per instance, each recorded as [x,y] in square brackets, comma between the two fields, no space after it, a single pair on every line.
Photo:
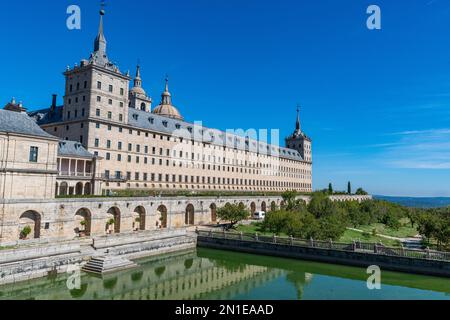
[120,117]
[108,144]
[110,115]
[99,85]
[34,153]
[97,112]
[97,125]
[122,91]
[108,156]
[97,143]
[119,145]
[110,88]
[130,147]
[99,99]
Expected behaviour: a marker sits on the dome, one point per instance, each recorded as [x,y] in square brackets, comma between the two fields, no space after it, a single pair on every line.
[138,90]
[169,111]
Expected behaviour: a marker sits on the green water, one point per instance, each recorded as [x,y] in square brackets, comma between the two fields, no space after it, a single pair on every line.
[212,274]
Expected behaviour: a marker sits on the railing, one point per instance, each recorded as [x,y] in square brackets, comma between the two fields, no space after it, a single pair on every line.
[361,247]
[75,174]
[114,178]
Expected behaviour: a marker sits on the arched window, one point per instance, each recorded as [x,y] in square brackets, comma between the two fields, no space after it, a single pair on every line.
[143,106]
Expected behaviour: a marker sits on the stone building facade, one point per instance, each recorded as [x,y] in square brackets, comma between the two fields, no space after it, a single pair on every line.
[155,148]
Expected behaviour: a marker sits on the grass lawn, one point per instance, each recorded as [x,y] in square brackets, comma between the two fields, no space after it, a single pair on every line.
[348,236]
[351,235]
[405,231]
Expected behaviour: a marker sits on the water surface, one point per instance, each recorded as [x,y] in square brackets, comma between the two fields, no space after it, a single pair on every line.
[214,274]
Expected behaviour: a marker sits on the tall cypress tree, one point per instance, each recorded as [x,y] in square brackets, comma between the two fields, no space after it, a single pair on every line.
[330,188]
[349,188]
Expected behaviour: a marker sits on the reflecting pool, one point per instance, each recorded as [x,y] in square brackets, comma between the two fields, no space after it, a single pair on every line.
[214,274]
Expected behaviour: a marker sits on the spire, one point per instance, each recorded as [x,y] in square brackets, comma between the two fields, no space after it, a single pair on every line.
[298,128]
[100,40]
[166,96]
[138,80]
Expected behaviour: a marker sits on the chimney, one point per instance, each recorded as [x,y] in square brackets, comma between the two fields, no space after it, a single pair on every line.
[53,107]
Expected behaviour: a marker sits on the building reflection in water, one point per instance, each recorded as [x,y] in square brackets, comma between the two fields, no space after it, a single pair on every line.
[182,276]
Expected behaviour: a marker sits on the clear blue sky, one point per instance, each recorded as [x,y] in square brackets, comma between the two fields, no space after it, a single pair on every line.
[376,103]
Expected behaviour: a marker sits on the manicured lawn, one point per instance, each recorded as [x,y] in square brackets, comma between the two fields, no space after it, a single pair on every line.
[405,231]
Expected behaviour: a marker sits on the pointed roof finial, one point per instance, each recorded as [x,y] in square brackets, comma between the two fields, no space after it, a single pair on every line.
[167,83]
[166,96]
[100,40]
[297,125]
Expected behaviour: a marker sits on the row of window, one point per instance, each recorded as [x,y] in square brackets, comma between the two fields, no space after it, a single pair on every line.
[185,141]
[99,87]
[201,180]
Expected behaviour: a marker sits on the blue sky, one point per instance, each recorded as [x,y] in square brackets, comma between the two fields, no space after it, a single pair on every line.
[376,103]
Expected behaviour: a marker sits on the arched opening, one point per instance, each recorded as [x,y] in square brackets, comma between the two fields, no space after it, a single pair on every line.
[264,206]
[190,215]
[83,223]
[30,225]
[113,224]
[63,189]
[162,210]
[88,189]
[139,219]
[79,189]
[253,208]
[213,208]
[56,189]
[273,206]
[143,106]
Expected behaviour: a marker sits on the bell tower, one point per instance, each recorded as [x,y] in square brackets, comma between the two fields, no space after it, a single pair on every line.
[299,141]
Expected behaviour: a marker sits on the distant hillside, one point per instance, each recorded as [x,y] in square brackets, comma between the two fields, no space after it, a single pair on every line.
[417,202]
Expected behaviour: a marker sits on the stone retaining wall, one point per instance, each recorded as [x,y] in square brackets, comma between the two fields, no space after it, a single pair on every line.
[58,219]
[402,264]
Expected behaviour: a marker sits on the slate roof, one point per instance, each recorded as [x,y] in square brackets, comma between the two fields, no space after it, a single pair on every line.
[169,126]
[45,116]
[73,149]
[149,121]
[20,123]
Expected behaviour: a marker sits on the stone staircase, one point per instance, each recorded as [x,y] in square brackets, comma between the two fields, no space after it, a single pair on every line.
[107,264]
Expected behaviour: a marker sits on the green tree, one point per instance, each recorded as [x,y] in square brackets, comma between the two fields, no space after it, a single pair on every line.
[349,188]
[233,213]
[361,192]
[330,188]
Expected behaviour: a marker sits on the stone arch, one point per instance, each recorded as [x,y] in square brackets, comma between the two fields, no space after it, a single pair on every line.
[273,206]
[190,215]
[264,206]
[30,219]
[213,209]
[83,218]
[116,216]
[79,189]
[162,210]
[139,218]
[88,189]
[253,208]
[63,189]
